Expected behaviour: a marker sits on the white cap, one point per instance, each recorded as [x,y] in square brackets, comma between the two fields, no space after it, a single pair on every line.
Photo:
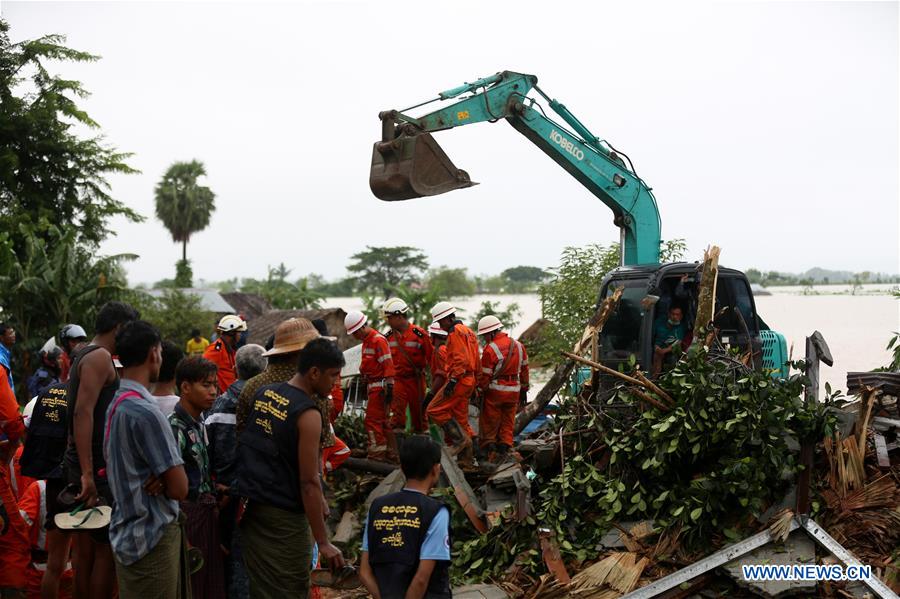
[394,305]
[354,321]
[435,329]
[231,322]
[489,324]
[442,310]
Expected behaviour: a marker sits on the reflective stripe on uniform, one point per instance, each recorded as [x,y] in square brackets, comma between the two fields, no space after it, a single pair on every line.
[510,388]
[496,350]
[42,515]
[412,344]
[369,352]
[377,385]
[486,370]
[384,358]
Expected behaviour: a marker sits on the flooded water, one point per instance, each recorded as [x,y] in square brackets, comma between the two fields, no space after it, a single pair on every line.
[856,327]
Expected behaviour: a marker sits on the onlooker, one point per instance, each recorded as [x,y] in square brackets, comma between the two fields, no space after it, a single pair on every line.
[46,374]
[14,545]
[93,382]
[197,384]
[220,426]
[7,340]
[278,473]
[197,344]
[221,353]
[164,390]
[334,451]
[406,539]
[146,475]
[72,338]
[42,460]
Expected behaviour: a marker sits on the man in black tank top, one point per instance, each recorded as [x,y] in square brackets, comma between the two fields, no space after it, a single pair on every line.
[93,382]
[278,474]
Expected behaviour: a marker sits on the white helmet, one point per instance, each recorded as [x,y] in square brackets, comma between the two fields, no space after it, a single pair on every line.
[354,321]
[231,322]
[71,331]
[435,329]
[393,306]
[442,310]
[489,324]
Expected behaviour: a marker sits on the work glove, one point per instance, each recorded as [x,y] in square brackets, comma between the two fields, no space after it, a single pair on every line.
[428,397]
[388,394]
[523,397]
[450,387]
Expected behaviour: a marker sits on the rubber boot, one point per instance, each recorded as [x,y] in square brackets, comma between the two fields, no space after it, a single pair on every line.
[490,452]
[452,439]
[466,458]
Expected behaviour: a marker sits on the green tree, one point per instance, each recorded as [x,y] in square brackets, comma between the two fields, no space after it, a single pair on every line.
[184,207]
[281,293]
[51,173]
[451,282]
[509,316]
[521,279]
[381,269]
[52,281]
[175,313]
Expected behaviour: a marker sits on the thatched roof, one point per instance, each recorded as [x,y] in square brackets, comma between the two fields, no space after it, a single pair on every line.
[251,305]
[264,325]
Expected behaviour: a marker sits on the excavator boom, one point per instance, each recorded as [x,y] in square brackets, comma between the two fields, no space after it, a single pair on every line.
[408,163]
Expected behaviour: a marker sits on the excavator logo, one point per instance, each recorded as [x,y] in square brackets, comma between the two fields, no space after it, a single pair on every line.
[566,145]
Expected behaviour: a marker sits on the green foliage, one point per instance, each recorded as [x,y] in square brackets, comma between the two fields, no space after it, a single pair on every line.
[450,282]
[184,275]
[523,279]
[51,175]
[341,288]
[508,316]
[281,293]
[719,455]
[492,284]
[174,313]
[381,269]
[52,281]
[569,298]
[351,430]
[182,204]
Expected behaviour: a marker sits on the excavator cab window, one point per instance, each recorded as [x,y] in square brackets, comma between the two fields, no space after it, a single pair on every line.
[622,333]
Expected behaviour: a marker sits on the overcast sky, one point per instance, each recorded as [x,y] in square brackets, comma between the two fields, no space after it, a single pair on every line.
[770,129]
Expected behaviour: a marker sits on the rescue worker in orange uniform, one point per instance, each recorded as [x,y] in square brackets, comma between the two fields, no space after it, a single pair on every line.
[377,368]
[438,362]
[502,380]
[15,547]
[450,407]
[411,350]
[221,353]
[334,451]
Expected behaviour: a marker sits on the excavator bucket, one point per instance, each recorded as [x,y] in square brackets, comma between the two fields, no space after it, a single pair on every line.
[413,166]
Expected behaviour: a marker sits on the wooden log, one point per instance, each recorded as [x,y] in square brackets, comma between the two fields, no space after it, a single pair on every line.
[373,466]
[706,295]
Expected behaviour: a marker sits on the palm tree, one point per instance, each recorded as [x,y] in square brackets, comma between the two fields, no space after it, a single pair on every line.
[183,206]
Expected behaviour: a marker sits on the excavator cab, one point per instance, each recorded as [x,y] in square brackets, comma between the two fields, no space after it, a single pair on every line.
[408,163]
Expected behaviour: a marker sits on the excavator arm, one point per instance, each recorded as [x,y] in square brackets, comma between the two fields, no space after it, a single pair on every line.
[408,163]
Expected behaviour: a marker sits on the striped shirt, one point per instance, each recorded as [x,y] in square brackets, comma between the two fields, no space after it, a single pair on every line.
[140,444]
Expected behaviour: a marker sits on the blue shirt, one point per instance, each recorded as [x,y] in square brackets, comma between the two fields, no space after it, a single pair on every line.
[140,444]
[6,362]
[437,539]
[665,334]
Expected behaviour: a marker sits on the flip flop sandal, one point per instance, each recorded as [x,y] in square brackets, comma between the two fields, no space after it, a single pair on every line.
[195,559]
[84,519]
[345,580]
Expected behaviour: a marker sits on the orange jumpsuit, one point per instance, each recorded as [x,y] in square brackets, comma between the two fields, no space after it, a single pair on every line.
[337,400]
[33,510]
[219,354]
[411,351]
[15,549]
[504,373]
[19,481]
[461,362]
[377,367]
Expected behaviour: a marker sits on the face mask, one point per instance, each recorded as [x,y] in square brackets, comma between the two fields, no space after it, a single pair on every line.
[674,323]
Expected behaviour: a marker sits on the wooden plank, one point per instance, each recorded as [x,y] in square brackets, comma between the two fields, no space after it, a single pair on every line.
[881,451]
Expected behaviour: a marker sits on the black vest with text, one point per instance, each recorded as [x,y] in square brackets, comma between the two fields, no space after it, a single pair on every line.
[268,469]
[396,530]
[48,429]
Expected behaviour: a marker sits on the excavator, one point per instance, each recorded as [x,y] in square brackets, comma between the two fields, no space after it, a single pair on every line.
[408,163]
